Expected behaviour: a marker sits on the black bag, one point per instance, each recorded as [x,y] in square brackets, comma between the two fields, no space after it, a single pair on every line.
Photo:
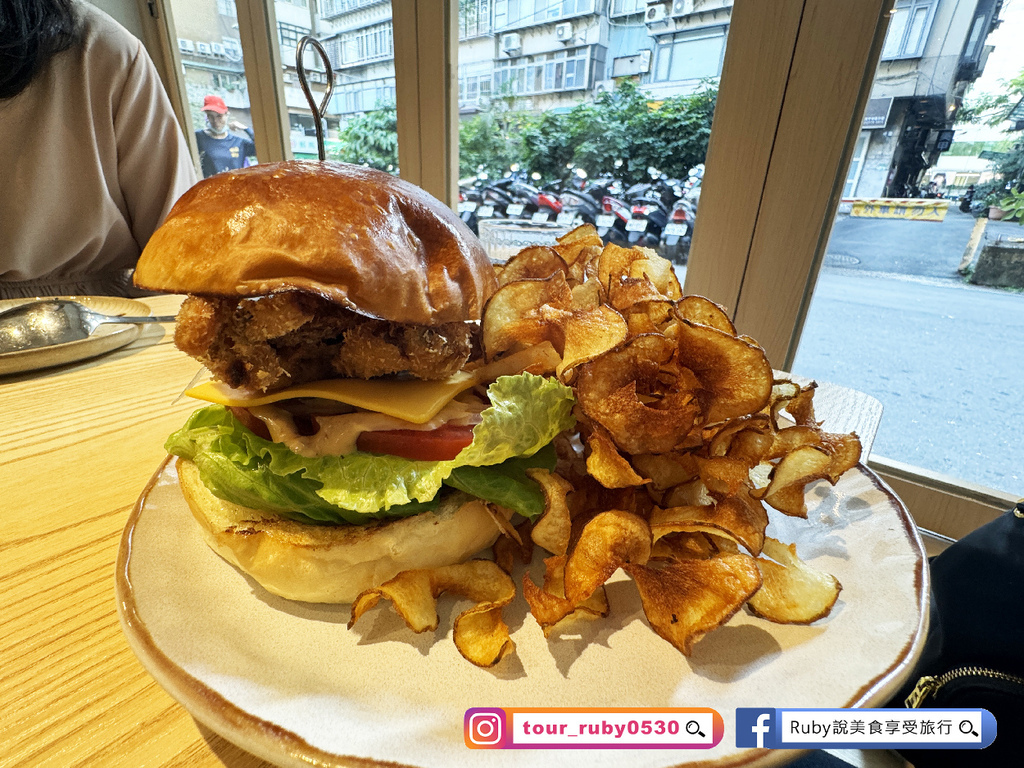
[974,653]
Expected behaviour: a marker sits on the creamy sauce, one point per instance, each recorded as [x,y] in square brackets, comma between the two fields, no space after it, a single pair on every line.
[338,434]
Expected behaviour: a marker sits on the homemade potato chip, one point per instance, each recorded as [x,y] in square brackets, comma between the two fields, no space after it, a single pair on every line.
[608,541]
[549,605]
[686,599]
[508,551]
[589,333]
[739,518]
[735,376]
[785,490]
[512,316]
[683,546]
[792,592]
[609,391]
[537,261]
[698,309]
[606,465]
[480,633]
[683,437]
[553,528]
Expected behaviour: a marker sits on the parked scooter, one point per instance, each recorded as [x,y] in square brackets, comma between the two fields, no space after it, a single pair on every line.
[678,231]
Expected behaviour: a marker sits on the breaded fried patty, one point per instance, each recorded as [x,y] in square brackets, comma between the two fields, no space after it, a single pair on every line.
[270,342]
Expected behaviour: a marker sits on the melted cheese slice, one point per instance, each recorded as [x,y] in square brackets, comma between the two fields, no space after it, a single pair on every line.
[412,400]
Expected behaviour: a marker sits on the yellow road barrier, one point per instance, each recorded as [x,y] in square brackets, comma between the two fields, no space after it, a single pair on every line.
[917,209]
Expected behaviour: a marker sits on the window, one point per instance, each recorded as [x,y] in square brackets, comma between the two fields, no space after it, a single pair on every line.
[546,73]
[626,7]
[907,37]
[908,29]
[331,8]
[290,34]
[690,55]
[475,84]
[474,18]
[360,46]
[856,163]
[512,14]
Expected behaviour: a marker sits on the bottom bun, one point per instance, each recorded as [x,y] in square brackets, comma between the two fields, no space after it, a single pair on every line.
[334,563]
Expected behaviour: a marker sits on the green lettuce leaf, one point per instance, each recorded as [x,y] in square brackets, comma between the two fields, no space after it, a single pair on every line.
[526,413]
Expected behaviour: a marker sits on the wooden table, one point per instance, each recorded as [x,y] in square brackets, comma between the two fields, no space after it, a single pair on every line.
[79,444]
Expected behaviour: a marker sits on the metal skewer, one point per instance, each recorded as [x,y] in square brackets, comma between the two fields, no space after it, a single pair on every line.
[318,111]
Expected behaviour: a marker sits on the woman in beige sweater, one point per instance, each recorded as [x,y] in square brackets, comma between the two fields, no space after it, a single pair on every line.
[91,156]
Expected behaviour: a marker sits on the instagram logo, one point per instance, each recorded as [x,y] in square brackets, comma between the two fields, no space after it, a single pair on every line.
[485,728]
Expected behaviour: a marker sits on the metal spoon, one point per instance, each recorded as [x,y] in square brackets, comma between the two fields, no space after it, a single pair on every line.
[55,321]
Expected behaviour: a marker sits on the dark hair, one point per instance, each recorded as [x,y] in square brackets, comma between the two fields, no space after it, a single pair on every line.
[31,31]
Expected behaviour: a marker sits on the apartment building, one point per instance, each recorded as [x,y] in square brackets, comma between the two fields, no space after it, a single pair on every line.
[549,55]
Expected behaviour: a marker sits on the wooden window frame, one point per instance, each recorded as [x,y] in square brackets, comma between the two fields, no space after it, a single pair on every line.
[795,81]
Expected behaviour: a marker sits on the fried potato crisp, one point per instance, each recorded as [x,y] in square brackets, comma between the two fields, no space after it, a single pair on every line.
[480,633]
[735,376]
[553,528]
[608,541]
[684,444]
[686,599]
[549,605]
[792,592]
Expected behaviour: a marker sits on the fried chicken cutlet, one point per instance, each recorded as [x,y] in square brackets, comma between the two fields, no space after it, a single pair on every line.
[270,342]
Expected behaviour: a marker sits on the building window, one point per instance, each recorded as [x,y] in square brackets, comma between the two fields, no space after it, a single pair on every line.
[909,25]
[474,18]
[331,8]
[546,73]
[626,7]
[290,35]
[227,8]
[690,55]
[510,14]
[475,84]
[361,46]
[364,96]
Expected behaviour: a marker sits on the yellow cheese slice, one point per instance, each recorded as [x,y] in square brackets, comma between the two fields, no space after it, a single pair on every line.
[412,400]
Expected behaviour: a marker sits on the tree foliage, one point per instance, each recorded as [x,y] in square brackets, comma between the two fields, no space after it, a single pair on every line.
[620,134]
[371,139]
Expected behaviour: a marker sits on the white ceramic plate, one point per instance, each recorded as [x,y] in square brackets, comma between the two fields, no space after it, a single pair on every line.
[290,683]
[105,338]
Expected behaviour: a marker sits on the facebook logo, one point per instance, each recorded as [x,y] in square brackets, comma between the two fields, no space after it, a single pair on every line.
[754,727]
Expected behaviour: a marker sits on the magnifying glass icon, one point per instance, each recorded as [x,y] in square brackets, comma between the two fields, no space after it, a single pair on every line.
[965,728]
[693,728]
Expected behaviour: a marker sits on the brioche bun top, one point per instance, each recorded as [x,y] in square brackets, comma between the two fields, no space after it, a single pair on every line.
[359,237]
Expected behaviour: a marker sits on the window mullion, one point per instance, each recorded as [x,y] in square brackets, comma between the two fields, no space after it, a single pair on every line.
[817,131]
[426,94]
[762,38]
[261,54]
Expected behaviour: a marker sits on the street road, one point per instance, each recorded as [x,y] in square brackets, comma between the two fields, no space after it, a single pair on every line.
[945,359]
[891,317]
[923,248]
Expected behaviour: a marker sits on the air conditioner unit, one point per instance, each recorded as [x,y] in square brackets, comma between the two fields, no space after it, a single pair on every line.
[217,48]
[204,49]
[656,13]
[682,7]
[604,86]
[288,77]
[511,42]
[186,46]
[563,32]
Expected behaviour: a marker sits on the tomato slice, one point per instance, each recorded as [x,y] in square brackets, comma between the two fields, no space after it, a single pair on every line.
[441,444]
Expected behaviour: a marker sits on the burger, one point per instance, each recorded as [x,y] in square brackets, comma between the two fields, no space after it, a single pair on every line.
[352,430]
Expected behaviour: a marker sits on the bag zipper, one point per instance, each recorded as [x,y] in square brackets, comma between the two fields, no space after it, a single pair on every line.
[928,686]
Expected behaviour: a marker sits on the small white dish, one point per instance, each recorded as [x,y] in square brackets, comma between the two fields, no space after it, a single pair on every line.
[290,683]
[105,338]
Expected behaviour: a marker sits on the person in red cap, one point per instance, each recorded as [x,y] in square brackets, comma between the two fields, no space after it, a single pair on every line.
[219,149]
